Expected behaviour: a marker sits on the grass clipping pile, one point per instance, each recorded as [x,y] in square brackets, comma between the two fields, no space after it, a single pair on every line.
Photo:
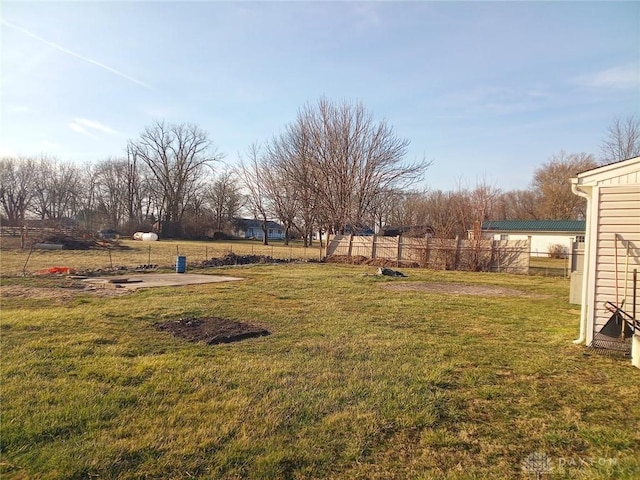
[212,330]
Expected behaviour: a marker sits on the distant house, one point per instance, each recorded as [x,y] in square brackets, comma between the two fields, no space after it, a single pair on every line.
[252,228]
[542,234]
[612,247]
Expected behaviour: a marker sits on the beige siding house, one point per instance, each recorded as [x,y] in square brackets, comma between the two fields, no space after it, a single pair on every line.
[612,243]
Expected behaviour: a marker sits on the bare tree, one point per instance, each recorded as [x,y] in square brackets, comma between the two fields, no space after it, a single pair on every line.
[87,216]
[551,180]
[252,175]
[176,156]
[58,189]
[111,177]
[392,207]
[477,205]
[622,140]
[441,209]
[224,199]
[17,181]
[137,190]
[290,154]
[520,205]
[282,196]
[349,160]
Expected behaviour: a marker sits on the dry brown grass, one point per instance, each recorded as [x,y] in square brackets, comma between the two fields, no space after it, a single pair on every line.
[130,253]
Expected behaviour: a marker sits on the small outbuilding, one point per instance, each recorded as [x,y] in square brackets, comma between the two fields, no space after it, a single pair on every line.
[543,235]
[612,242]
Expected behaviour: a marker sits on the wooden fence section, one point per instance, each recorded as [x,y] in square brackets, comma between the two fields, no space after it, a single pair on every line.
[438,254]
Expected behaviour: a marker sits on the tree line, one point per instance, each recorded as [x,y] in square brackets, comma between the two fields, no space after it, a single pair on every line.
[334,168]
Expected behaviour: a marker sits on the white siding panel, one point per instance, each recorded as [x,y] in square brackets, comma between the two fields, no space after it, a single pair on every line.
[619,228]
[618,213]
[627,194]
[629,179]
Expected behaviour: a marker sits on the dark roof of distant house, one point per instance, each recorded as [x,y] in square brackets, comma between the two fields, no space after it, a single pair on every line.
[420,230]
[577,226]
[254,223]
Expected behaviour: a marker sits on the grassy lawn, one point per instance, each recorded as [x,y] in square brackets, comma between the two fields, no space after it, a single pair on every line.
[550,267]
[355,382]
[162,253]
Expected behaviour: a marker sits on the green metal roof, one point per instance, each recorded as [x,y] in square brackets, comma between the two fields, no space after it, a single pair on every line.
[577,226]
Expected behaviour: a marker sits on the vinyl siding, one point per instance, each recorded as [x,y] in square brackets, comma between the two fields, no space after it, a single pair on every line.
[618,212]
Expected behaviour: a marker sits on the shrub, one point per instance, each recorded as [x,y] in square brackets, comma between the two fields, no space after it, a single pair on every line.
[558,251]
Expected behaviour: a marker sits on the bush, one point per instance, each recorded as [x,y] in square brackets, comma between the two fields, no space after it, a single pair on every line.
[558,251]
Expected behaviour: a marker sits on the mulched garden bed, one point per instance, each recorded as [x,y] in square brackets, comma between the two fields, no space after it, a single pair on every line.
[211,330]
[234,259]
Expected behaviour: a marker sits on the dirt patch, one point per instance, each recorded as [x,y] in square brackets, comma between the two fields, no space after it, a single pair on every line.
[61,293]
[17,291]
[461,289]
[211,330]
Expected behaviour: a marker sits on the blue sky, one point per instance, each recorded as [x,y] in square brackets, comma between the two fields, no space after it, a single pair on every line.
[486,90]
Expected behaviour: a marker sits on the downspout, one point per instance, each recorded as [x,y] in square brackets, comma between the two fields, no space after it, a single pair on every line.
[586,264]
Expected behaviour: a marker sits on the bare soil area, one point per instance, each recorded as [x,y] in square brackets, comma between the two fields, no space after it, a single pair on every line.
[461,289]
[58,292]
[212,330]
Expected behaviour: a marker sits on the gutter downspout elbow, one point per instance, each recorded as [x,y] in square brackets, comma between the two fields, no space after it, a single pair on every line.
[584,296]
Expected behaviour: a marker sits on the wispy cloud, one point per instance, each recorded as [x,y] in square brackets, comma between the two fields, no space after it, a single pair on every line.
[89,127]
[74,54]
[620,77]
[80,129]
[495,100]
[95,125]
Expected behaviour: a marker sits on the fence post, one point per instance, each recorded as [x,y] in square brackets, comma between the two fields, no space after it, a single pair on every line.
[373,245]
[350,246]
[399,254]
[426,254]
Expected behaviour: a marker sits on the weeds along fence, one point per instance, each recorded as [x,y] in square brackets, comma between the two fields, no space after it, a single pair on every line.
[510,256]
[135,254]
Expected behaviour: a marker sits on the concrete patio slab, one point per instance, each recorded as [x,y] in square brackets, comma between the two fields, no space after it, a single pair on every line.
[148,280]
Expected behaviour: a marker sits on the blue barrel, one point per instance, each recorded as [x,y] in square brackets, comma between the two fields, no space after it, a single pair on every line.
[181,264]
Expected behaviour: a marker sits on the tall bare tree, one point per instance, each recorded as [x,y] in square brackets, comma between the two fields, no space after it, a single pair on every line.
[58,189]
[251,172]
[290,154]
[176,156]
[622,140]
[17,181]
[349,159]
[111,177]
[551,180]
[282,194]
